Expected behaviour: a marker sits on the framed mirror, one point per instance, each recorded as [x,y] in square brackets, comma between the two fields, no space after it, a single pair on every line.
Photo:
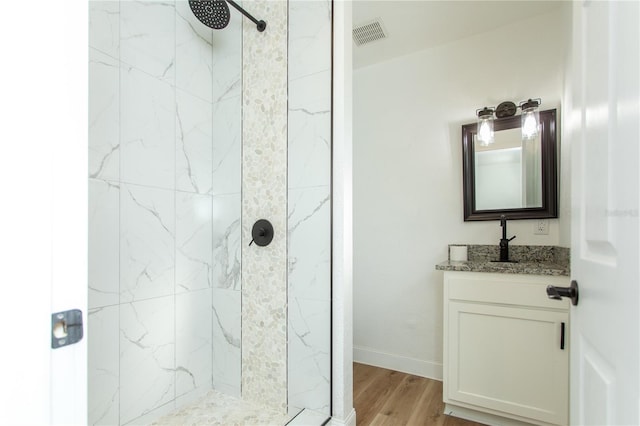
[511,177]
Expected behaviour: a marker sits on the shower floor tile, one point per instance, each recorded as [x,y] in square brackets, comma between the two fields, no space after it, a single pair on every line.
[216,408]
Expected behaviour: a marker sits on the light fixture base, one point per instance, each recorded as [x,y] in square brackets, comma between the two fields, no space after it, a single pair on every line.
[485,113]
[531,103]
[506,109]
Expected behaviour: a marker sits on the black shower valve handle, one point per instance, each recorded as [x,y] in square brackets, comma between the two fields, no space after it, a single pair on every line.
[262,233]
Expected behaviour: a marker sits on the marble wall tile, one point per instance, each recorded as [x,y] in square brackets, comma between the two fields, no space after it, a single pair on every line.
[226,241]
[147,364]
[226,341]
[147,242]
[193,242]
[147,135]
[193,342]
[227,146]
[104,116]
[310,355]
[264,194]
[104,244]
[194,55]
[193,143]
[310,131]
[310,243]
[309,37]
[148,36]
[227,57]
[104,26]
[309,206]
[155,224]
[103,366]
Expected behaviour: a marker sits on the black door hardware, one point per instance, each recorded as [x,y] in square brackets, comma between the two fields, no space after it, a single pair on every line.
[557,293]
[66,328]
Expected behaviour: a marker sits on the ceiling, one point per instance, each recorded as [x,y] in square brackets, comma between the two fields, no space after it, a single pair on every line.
[420,24]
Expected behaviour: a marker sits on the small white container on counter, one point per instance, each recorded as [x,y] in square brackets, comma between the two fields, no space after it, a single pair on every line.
[458,253]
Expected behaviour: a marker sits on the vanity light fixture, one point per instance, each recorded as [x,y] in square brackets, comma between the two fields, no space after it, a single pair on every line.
[530,119]
[485,126]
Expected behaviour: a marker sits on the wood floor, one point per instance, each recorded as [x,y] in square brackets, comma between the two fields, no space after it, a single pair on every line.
[386,397]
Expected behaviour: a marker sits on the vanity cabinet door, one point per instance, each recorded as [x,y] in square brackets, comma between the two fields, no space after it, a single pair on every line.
[508,360]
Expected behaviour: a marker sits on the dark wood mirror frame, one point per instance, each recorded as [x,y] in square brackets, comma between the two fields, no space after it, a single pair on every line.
[548,138]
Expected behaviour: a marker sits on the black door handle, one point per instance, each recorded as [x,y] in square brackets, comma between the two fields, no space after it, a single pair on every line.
[557,293]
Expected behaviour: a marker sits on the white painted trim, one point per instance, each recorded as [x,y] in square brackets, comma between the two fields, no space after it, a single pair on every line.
[418,367]
[68,106]
[342,220]
[349,421]
[43,171]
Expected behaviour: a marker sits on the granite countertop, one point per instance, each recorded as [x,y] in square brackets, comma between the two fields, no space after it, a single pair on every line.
[529,268]
[531,260]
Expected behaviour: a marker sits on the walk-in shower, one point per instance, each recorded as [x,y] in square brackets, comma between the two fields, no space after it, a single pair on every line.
[194,134]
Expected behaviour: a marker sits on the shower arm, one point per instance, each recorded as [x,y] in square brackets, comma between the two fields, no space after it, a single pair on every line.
[261,25]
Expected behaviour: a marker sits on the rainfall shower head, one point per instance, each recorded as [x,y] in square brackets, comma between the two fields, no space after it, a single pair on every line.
[215,13]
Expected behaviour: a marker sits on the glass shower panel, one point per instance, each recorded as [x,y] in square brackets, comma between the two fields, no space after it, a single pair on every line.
[309,204]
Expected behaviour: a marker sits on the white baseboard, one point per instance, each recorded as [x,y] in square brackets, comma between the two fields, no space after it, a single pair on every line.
[349,421]
[417,367]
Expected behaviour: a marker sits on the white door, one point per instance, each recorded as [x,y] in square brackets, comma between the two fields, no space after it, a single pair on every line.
[43,214]
[603,122]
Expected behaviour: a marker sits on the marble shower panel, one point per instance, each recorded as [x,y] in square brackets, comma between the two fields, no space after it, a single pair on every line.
[194,132]
[226,336]
[155,219]
[104,117]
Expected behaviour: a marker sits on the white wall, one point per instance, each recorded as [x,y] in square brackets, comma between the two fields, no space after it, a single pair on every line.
[408,114]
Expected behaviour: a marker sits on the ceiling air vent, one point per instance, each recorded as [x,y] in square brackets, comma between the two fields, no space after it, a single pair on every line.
[369,32]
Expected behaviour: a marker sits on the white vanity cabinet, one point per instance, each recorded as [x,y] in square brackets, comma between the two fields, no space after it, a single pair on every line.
[506,348]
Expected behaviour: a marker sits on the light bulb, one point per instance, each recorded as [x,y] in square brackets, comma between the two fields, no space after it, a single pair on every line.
[485,132]
[485,126]
[530,120]
[529,126]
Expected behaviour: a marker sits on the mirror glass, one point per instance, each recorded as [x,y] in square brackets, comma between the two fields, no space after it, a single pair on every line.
[511,176]
[508,172]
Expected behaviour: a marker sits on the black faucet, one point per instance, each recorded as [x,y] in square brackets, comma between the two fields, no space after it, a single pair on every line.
[504,241]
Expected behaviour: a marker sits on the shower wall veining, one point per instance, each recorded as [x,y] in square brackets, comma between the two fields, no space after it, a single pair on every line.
[309,205]
[166,242]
